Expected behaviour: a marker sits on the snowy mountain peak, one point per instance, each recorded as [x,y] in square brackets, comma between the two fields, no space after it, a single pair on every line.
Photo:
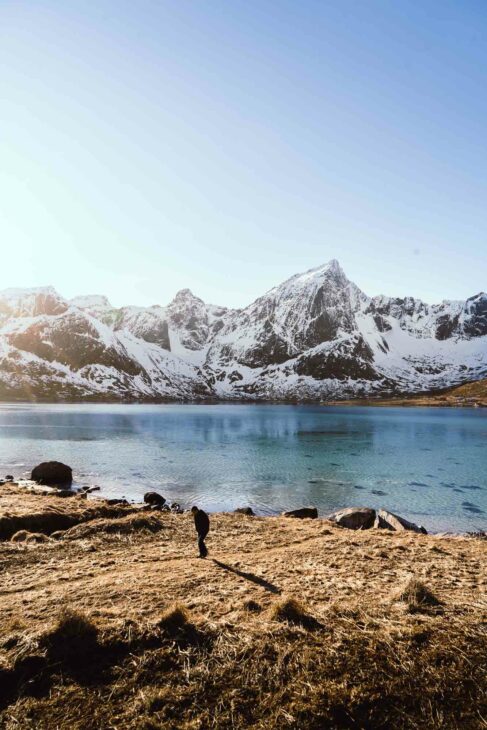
[185,296]
[332,268]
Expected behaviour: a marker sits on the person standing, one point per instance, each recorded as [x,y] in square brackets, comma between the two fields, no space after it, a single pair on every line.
[202,525]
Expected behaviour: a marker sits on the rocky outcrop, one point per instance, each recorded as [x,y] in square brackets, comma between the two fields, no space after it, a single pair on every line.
[302,513]
[52,474]
[354,518]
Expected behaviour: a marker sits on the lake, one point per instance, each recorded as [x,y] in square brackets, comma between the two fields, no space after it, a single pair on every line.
[427,464]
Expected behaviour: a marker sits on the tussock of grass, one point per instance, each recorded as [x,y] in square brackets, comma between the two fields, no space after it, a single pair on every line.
[175,620]
[292,611]
[73,632]
[29,537]
[418,597]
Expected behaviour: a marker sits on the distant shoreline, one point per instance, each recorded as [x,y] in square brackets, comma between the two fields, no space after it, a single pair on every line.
[472,394]
[429,401]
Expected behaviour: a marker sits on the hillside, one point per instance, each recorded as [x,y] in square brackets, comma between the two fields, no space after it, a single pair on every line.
[316,336]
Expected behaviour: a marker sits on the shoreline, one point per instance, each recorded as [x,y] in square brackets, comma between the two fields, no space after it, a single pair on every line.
[97,495]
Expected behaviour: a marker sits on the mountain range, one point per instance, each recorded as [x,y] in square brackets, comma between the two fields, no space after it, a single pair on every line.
[316,336]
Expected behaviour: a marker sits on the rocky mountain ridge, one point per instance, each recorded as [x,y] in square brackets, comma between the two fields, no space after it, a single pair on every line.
[316,336]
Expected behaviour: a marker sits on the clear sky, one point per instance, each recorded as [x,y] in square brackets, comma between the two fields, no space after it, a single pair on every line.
[224,145]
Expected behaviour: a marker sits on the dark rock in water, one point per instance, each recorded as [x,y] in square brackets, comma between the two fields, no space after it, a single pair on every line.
[474,510]
[244,511]
[389,521]
[176,508]
[378,492]
[302,513]
[53,474]
[154,498]
[354,518]
[9,478]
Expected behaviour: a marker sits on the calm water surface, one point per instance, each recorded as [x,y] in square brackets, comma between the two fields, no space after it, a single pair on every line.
[427,464]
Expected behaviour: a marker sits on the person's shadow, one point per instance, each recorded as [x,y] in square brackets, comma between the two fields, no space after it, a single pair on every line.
[249,576]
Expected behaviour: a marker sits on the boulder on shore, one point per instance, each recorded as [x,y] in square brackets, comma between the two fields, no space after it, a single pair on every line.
[354,518]
[244,511]
[388,521]
[52,474]
[363,518]
[302,513]
[154,498]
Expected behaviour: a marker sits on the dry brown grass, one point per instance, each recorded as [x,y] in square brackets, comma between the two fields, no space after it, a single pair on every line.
[29,537]
[125,525]
[175,619]
[418,597]
[36,511]
[293,612]
[232,651]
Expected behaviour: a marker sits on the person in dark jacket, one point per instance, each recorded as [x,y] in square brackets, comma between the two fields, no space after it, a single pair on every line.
[202,525]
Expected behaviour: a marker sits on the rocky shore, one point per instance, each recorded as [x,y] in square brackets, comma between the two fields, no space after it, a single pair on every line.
[108,619]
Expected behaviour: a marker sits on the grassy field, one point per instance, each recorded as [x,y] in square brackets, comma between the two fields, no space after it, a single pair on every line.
[114,622]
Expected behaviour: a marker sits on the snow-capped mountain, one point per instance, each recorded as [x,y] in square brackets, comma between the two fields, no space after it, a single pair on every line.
[316,336]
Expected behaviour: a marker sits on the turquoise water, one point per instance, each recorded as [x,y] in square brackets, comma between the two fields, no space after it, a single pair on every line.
[427,464]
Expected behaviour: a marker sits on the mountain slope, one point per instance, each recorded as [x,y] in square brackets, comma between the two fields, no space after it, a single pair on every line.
[315,336]
[63,351]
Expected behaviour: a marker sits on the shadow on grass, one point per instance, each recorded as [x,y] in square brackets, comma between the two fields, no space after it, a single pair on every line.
[249,576]
[74,649]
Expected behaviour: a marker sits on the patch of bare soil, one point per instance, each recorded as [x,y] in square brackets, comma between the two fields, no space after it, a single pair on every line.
[287,624]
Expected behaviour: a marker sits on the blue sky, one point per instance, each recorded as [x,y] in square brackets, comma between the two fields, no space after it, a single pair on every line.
[224,145]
